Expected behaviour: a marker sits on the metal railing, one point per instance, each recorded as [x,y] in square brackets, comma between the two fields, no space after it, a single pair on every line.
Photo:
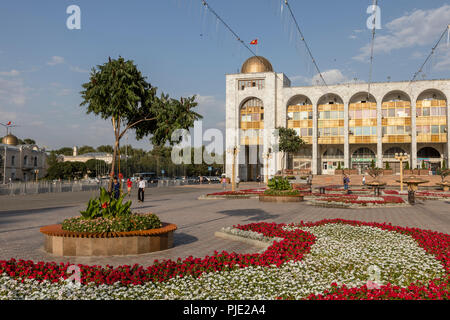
[16,188]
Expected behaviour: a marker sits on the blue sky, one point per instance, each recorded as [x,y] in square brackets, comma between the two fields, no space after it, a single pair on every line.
[184,51]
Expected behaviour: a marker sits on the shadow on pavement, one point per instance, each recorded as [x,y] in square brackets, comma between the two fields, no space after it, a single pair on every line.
[181,238]
[251,214]
[11,213]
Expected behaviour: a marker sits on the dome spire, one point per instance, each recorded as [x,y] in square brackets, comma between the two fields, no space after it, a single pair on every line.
[256,64]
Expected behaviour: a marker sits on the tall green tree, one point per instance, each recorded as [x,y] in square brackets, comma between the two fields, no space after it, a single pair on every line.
[289,142]
[105,148]
[118,91]
[85,149]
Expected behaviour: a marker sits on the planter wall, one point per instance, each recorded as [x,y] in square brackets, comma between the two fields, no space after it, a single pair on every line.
[346,171]
[65,243]
[267,198]
[388,172]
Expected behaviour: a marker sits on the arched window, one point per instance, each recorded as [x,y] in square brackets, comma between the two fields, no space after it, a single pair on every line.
[13,160]
[396,117]
[363,153]
[299,116]
[35,161]
[362,115]
[428,152]
[252,114]
[25,160]
[431,121]
[333,153]
[330,119]
[390,153]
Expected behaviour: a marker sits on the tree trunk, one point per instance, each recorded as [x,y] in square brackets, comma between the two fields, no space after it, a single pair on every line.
[113,162]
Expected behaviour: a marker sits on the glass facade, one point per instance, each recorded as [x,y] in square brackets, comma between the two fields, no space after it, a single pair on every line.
[330,123]
[362,122]
[396,121]
[299,118]
[431,121]
[252,118]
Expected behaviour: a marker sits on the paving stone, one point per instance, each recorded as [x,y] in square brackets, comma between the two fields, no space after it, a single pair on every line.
[197,220]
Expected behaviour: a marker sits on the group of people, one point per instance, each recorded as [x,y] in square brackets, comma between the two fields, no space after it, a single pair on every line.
[141,188]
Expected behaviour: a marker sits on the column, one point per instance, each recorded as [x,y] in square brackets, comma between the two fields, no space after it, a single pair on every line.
[346,143]
[379,135]
[448,131]
[314,141]
[413,135]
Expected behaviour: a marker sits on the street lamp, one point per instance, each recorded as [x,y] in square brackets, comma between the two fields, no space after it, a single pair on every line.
[268,155]
[234,151]
[401,157]
[36,172]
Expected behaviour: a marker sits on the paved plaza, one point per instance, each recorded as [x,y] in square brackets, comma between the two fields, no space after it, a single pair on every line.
[197,220]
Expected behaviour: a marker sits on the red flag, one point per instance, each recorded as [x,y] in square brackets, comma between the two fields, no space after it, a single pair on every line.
[9,122]
[254,41]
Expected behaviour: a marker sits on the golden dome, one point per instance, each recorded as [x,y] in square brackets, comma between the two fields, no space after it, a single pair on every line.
[256,64]
[11,140]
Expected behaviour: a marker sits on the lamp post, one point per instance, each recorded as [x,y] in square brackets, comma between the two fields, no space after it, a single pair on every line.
[268,154]
[36,171]
[4,168]
[234,151]
[401,157]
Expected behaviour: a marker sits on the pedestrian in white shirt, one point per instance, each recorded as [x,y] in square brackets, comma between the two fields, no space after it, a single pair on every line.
[141,189]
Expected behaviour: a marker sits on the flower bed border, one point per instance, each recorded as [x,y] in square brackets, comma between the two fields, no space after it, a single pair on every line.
[278,198]
[68,243]
[56,230]
[295,244]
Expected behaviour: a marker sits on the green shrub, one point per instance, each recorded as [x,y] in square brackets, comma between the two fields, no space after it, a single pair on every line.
[106,206]
[407,165]
[279,183]
[271,192]
[132,222]
[388,166]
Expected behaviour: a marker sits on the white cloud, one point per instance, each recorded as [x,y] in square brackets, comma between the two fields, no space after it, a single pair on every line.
[333,76]
[13,92]
[443,64]
[55,60]
[418,28]
[78,69]
[12,73]
[64,92]
[352,36]
[213,111]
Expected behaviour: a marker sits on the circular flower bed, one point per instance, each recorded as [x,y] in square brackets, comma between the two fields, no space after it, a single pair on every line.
[132,222]
[329,259]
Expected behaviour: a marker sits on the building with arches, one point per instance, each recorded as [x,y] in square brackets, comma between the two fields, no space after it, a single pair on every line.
[341,124]
[21,162]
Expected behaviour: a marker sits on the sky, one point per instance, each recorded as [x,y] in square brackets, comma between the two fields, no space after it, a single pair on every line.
[183,50]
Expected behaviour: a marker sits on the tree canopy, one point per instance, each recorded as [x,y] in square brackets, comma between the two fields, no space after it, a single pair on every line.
[118,91]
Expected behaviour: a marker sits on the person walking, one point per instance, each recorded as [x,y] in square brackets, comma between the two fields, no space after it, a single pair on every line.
[116,188]
[129,186]
[364,181]
[141,190]
[346,182]
[224,183]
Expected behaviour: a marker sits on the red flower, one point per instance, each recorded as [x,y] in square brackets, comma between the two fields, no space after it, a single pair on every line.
[105,205]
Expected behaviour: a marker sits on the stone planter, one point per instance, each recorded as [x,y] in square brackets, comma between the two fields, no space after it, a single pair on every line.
[424,172]
[407,172]
[66,243]
[388,172]
[268,198]
[346,171]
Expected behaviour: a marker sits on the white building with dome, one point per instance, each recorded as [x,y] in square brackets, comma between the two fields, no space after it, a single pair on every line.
[23,162]
[341,124]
